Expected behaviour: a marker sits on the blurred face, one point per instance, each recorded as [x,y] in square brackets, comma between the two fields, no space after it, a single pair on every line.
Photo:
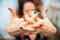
[28,7]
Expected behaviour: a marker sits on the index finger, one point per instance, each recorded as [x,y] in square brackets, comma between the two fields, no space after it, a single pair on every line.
[43,13]
[13,12]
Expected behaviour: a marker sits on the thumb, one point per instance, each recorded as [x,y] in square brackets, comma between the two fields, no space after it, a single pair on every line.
[43,13]
[13,12]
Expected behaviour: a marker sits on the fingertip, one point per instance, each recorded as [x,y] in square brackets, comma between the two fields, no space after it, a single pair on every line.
[41,25]
[9,8]
[45,10]
[24,34]
[39,13]
[23,16]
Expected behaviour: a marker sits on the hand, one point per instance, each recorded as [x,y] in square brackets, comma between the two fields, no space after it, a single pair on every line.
[47,27]
[15,23]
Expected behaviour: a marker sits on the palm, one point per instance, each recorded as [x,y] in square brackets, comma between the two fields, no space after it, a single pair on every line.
[15,21]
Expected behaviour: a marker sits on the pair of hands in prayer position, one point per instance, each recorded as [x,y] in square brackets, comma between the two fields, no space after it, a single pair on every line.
[31,23]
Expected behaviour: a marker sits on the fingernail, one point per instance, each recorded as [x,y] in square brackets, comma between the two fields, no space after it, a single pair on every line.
[23,16]
[9,8]
[21,27]
[41,25]
[38,13]
[24,34]
[35,11]
[27,37]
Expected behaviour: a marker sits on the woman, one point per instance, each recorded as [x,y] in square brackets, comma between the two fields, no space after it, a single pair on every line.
[32,22]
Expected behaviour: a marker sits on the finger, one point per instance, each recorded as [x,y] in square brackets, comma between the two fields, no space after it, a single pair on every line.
[43,13]
[34,16]
[24,23]
[36,25]
[30,20]
[13,12]
[27,28]
[39,20]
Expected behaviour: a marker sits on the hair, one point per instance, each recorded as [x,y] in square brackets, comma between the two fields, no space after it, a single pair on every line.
[37,3]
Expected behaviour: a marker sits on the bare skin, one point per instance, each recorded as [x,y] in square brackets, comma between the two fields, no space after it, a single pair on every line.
[47,29]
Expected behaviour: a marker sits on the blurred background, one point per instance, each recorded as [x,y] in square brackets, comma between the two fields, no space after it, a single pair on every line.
[53,14]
